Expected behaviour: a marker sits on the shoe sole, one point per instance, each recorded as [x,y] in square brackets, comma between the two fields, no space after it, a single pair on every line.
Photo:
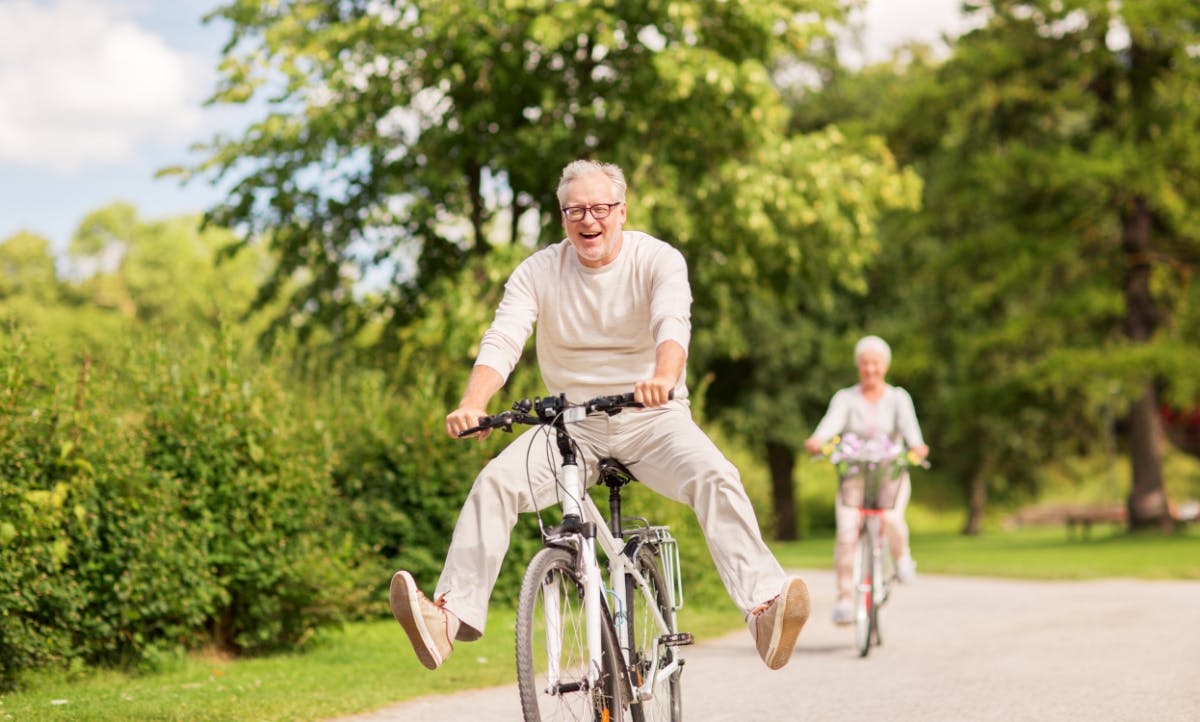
[791,615]
[406,608]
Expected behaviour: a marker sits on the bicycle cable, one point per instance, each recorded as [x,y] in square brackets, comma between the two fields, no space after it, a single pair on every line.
[533,500]
[553,465]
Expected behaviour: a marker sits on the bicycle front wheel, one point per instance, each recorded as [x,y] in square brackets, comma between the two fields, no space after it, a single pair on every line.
[665,703]
[552,654]
[864,591]
[883,577]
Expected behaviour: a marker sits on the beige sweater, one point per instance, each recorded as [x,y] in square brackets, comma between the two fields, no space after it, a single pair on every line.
[597,328]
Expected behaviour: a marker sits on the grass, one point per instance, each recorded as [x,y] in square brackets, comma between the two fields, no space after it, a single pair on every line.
[368,665]
[362,667]
[1039,553]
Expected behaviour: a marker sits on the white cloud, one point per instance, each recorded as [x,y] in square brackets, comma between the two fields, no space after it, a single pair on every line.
[81,84]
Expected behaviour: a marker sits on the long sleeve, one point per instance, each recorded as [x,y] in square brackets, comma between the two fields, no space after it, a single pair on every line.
[837,416]
[906,419]
[501,345]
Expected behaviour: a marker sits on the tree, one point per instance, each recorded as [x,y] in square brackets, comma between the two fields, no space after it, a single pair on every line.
[404,137]
[777,242]
[1060,160]
[27,269]
[163,273]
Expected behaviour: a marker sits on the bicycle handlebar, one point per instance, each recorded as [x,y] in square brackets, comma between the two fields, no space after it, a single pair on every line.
[553,409]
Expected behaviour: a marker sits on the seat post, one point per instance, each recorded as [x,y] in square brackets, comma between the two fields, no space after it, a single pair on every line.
[614,507]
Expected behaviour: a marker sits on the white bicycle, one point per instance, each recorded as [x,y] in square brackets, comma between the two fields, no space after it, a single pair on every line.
[586,649]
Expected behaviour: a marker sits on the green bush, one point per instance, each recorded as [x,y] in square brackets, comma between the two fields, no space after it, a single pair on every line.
[252,471]
[164,500]
[41,480]
[403,480]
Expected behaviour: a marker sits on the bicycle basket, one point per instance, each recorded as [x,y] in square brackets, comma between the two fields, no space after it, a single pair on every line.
[875,488]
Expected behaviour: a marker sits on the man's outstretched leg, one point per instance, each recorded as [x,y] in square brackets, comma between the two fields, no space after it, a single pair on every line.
[429,626]
[776,624]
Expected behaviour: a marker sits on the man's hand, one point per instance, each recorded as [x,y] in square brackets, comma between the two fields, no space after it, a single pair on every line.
[812,445]
[482,385]
[653,392]
[463,418]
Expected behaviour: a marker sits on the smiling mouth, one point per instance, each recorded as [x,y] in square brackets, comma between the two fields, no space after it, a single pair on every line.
[591,236]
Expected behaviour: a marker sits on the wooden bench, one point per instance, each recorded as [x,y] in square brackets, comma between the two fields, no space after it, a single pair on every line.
[1078,518]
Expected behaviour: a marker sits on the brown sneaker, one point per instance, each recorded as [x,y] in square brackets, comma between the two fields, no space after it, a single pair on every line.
[426,623]
[776,626]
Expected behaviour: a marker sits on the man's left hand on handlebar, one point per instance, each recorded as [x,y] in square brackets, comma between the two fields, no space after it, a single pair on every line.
[653,392]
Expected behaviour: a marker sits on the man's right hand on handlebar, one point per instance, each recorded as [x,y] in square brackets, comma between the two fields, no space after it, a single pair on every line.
[463,418]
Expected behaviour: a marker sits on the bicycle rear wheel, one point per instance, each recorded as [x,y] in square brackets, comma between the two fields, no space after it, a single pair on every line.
[552,655]
[666,704]
[864,592]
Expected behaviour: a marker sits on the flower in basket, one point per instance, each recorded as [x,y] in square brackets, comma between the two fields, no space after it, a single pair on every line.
[853,454]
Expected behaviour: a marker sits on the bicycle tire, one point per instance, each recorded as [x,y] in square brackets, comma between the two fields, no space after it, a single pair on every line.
[864,594]
[553,572]
[887,575]
[878,591]
[667,703]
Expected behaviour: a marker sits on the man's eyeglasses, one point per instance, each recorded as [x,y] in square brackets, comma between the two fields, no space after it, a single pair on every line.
[599,211]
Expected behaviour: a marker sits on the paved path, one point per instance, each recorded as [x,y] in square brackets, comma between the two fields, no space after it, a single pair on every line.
[955,649]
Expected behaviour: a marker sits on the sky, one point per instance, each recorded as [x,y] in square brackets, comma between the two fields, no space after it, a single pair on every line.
[96,96]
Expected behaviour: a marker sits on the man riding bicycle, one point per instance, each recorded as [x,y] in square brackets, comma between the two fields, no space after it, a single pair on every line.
[613,313]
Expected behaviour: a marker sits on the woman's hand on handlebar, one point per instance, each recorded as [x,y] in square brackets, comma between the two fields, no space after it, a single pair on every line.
[463,418]
[653,392]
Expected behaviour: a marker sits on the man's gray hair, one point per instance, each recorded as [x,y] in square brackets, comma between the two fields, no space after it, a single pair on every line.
[872,343]
[577,169]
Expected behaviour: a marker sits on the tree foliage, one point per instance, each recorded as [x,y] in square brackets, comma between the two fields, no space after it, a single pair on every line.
[1050,266]
[403,137]
[164,273]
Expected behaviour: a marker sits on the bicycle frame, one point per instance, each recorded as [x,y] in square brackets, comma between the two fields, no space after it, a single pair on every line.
[873,524]
[583,528]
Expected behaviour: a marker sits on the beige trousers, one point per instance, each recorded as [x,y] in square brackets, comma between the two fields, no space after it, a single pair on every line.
[894,526]
[667,452]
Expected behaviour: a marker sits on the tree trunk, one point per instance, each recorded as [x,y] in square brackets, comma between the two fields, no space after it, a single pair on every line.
[782,461]
[976,502]
[1147,502]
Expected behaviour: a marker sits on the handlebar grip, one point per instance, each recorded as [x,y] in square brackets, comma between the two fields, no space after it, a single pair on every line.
[485,423]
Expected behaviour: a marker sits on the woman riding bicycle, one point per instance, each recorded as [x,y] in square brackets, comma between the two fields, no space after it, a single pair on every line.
[871,408]
[613,314]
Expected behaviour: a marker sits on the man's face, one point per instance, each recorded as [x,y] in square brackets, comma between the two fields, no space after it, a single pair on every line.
[596,241]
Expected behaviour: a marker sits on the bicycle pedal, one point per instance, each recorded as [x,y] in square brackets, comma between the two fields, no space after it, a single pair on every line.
[679,639]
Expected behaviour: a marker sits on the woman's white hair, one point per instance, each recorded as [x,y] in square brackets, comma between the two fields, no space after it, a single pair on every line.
[872,343]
